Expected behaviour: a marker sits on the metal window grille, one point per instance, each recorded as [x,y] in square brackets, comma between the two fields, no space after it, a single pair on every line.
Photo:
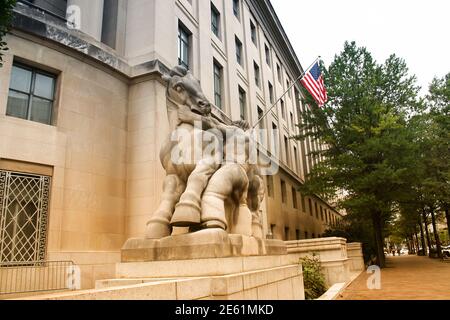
[24,200]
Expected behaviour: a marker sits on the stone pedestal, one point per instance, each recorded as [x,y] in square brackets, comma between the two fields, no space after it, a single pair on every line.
[355,255]
[208,243]
[277,277]
[332,253]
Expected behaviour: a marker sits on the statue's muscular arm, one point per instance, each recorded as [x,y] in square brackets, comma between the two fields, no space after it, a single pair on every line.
[185,115]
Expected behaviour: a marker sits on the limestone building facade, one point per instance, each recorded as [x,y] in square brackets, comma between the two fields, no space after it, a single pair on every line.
[83,115]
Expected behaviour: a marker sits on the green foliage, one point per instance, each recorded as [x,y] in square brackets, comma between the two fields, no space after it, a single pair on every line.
[313,278]
[6,14]
[364,125]
[429,190]
[355,228]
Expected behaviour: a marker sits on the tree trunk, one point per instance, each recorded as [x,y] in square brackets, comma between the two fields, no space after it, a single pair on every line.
[408,243]
[422,237]
[378,233]
[436,234]
[424,216]
[447,217]
[416,240]
[413,243]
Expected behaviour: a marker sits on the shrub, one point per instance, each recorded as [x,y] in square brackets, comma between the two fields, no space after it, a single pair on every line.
[6,7]
[313,278]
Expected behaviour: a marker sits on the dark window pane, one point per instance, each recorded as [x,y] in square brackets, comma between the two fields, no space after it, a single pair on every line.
[43,86]
[17,105]
[183,47]
[215,20]
[20,79]
[236,8]
[41,110]
[57,7]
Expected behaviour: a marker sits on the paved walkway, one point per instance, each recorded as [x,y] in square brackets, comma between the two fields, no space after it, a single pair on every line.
[405,278]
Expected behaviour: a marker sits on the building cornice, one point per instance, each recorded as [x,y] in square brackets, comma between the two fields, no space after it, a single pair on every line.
[39,26]
[267,17]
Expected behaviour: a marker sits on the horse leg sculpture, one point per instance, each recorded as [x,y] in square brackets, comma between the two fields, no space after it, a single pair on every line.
[158,226]
[187,211]
[229,181]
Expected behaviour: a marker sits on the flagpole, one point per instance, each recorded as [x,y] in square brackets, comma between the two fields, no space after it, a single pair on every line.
[287,90]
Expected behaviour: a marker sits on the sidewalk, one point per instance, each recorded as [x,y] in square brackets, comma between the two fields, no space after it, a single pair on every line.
[405,278]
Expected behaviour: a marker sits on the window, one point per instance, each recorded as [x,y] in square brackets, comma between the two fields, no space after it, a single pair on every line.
[267,50]
[297,100]
[183,46]
[313,235]
[31,94]
[238,51]
[261,125]
[275,137]
[272,230]
[321,213]
[257,75]
[316,210]
[291,116]
[288,83]
[236,8]
[306,234]
[57,7]
[283,110]
[270,186]
[302,198]
[253,33]
[295,159]
[242,104]
[271,93]
[286,150]
[24,216]
[283,191]
[310,207]
[297,234]
[215,21]
[279,73]
[294,198]
[286,233]
[109,23]
[217,84]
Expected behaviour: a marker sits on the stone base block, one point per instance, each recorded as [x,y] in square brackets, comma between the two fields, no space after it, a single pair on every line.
[208,243]
[247,278]
[244,278]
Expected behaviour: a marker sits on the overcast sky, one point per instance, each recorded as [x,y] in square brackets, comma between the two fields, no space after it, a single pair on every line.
[416,30]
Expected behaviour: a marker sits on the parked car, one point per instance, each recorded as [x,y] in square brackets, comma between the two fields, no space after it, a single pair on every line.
[404,251]
[446,251]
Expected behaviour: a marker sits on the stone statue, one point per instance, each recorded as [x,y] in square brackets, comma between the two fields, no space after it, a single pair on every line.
[217,196]
[184,184]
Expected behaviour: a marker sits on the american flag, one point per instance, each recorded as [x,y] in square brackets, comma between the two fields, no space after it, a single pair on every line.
[313,82]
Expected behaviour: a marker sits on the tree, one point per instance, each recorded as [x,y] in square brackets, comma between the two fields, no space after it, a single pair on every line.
[355,228]
[364,128]
[439,148]
[6,7]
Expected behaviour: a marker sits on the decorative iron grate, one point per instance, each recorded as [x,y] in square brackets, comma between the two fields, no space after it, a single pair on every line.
[24,200]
